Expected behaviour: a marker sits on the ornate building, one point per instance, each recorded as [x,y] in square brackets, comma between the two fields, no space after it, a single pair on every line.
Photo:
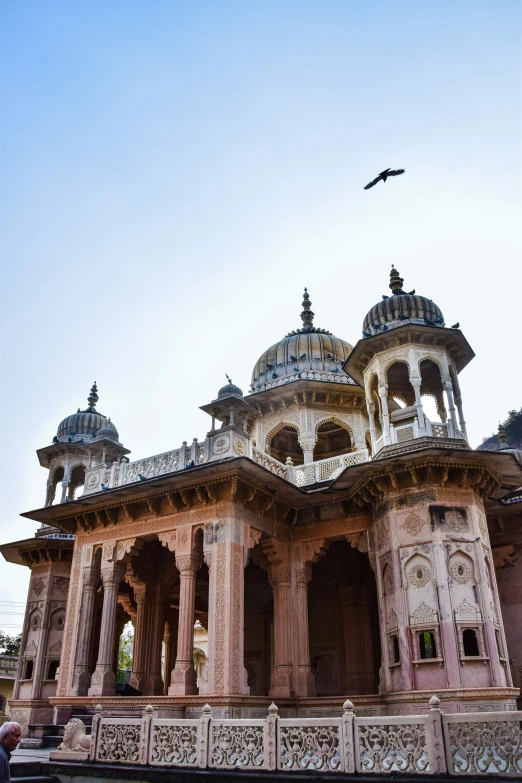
[332,539]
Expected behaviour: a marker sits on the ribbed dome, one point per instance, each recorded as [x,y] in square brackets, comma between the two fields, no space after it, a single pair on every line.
[400,307]
[305,354]
[88,424]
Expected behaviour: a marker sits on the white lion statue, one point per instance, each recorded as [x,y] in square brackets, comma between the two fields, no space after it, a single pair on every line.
[75,737]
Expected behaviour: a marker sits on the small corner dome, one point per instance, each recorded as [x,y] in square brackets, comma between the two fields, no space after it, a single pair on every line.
[309,353]
[108,431]
[229,390]
[399,308]
[86,425]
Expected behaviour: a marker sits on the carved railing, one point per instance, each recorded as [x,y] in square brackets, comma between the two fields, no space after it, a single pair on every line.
[484,744]
[270,463]
[477,744]
[393,744]
[168,462]
[328,469]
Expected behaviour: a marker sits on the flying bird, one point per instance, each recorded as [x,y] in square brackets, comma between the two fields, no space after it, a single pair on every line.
[384,176]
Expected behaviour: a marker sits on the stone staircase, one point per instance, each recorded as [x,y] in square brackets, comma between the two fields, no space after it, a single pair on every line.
[30,772]
[50,735]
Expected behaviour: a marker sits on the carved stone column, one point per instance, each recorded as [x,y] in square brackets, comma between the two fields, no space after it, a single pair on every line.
[104,678]
[184,681]
[416,383]
[170,639]
[226,548]
[306,680]
[373,431]
[155,686]
[383,394]
[82,675]
[138,676]
[281,682]
[452,410]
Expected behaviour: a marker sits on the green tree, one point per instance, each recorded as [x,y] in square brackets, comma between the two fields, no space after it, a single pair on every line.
[10,645]
[125,652]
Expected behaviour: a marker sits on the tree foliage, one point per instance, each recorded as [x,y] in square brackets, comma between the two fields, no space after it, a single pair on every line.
[513,429]
[10,645]
[125,649]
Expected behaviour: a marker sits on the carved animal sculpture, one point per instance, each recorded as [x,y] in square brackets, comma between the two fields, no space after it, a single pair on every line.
[75,737]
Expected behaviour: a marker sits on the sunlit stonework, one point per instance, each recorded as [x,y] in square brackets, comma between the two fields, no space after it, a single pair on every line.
[327,542]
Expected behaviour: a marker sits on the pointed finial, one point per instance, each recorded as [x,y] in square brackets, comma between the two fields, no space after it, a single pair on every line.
[501,434]
[93,398]
[307,316]
[229,379]
[396,281]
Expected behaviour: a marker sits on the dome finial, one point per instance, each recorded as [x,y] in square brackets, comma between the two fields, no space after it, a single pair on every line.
[396,281]
[307,316]
[229,379]
[93,398]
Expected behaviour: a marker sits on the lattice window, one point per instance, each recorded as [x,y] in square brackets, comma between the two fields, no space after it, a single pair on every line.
[404,434]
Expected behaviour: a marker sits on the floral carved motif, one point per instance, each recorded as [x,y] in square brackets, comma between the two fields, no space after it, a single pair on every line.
[486,747]
[174,744]
[236,746]
[419,575]
[309,747]
[424,614]
[36,621]
[466,611]
[461,572]
[38,585]
[395,747]
[413,524]
[61,583]
[455,519]
[119,742]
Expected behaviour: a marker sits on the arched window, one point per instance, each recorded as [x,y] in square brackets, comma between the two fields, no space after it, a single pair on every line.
[76,482]
[398,382]
[285,443]
[28,670]
[53,670]
[470,642]
[57,481]
[427,646]
[332,440]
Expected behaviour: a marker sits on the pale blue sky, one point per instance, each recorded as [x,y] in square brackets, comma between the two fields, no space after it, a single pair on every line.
[174,173]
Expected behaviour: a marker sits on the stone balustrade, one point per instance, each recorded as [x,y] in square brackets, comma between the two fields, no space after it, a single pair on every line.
[328,469]
[431,744]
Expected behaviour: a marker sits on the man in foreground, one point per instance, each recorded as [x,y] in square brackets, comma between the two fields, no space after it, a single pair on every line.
[10,736]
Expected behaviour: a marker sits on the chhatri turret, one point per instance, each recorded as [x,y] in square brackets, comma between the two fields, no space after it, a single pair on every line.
[83,439]
[406,353]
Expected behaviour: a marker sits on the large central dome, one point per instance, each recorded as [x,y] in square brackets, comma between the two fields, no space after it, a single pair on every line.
[308,353]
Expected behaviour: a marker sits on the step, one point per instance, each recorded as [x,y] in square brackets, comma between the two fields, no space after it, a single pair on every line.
[37,779]
[25,769]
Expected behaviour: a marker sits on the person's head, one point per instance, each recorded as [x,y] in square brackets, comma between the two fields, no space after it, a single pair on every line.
[10,735]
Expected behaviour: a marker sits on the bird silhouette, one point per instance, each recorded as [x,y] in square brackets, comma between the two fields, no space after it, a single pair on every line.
[105,489]
[402,317]
[428,321]
[456,326]
[411,293]
[67,500]
[142,478]
[303,356]
[292,358]
[189,464]
[384,176]
[366,334]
